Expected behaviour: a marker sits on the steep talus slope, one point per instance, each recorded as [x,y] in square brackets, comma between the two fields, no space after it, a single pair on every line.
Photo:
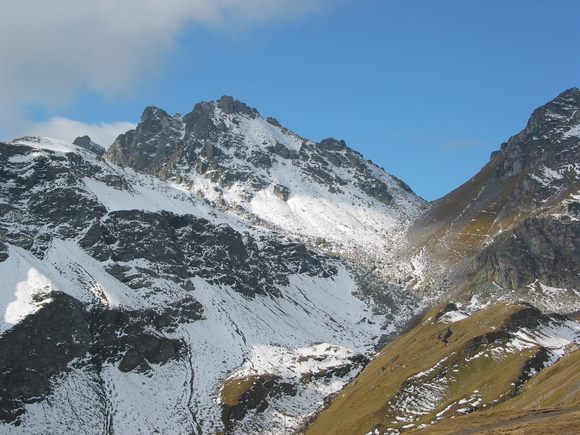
[453,363]
[515,227]
[198,273]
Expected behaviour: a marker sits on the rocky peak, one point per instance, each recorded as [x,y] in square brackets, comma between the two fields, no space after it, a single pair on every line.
[273,121]
[557,115]
[152,114]
[549,142]
[199,122]
[230,105]
[513,225]
[227,153]
[550,124]
[86,143]
[332,144]
[531,170]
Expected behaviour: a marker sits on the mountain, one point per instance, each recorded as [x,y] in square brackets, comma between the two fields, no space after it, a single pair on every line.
[86,143]
[225,152]
[513,230]
[215,272]
[214,261]
[484,359]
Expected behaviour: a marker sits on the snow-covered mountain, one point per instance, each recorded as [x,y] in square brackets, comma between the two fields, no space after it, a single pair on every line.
[226,152]
[215,261]
[216,272]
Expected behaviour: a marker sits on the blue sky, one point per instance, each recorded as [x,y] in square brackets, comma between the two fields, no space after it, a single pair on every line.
[426,89]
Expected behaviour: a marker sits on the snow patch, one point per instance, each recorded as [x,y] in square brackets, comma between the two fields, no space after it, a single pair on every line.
[24,288]
[46,143]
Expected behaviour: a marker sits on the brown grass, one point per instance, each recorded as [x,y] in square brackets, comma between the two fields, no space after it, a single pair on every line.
[549,403]
[459,225]
[364,404]
[516,422]
[233,389]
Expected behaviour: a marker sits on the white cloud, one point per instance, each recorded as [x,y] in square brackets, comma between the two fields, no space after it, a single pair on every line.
[67,130]
[52,49]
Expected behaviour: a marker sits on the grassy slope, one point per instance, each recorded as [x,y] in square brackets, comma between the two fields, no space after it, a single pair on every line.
[367,403]
[549,403]
[458,224]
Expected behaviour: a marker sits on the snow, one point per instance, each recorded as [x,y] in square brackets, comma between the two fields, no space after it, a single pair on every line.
[547,176]
[573,132]
[452,317]
[259,132]
[149,196]
[551,174]
[317,324]
[348,219]
[266,359]
[248,335]
[28,282]
[426,391]
[79,275]
[475,304]
[553,336]
[23,158]
[46,143]
[23,280]
[420,399]
[553,299]
[315,215]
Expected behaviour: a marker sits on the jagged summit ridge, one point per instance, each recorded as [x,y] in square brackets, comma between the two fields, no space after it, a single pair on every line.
[228,153]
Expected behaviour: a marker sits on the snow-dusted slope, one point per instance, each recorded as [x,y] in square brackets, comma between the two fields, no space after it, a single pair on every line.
[457,360]
[228,153]
[130,304]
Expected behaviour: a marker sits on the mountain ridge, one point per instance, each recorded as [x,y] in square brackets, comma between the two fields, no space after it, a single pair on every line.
[527,191]
[326,192]
[506,241]
[244,274]
[160,282]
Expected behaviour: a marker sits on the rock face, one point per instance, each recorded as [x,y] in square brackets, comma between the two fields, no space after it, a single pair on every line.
[86,143]
[65,336]
[182,246]
[543,249]
[197,262]
[513,225]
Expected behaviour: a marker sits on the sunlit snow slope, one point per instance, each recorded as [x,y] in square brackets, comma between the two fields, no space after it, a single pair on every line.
[130,304]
